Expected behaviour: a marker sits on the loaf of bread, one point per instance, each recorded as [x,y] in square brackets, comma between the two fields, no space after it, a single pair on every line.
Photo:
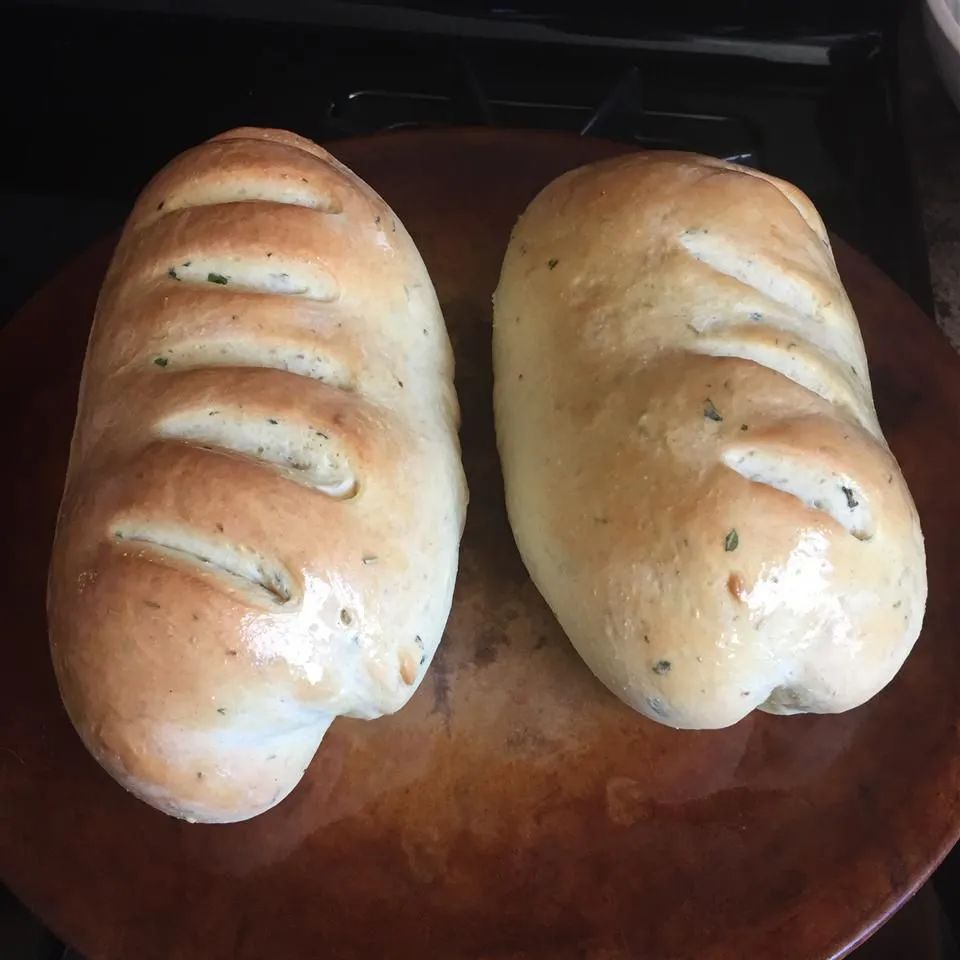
[264,502]
[694,471]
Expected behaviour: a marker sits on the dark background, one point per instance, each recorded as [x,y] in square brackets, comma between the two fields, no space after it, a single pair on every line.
[97,96]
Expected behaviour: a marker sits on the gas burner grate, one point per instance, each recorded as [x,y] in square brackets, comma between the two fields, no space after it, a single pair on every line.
[628,109]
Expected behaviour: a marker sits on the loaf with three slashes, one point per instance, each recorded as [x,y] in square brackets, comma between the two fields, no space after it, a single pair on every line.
[694,471]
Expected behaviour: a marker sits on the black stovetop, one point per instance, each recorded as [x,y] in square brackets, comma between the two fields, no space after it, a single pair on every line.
[98,96]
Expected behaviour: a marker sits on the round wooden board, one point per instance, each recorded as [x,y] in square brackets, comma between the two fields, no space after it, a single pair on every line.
[514,809]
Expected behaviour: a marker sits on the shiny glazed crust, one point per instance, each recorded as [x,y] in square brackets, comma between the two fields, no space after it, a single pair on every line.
[694,471]
[264,502]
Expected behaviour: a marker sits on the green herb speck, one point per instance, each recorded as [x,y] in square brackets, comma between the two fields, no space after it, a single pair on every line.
[161,361]
[222,711]
[731,541]
[661,667]
[552,262]
[852,501]
[710,411]
[217,278]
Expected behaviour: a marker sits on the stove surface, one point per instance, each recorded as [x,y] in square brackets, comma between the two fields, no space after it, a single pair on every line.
[103,104]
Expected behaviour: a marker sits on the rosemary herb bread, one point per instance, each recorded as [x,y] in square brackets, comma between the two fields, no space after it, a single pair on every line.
[694,471]
[264,501]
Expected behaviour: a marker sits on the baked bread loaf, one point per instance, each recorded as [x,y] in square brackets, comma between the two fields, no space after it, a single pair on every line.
[264,502]
[694,471]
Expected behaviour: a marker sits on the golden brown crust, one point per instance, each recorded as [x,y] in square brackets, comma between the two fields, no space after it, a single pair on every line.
[694,471]
[261,521]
